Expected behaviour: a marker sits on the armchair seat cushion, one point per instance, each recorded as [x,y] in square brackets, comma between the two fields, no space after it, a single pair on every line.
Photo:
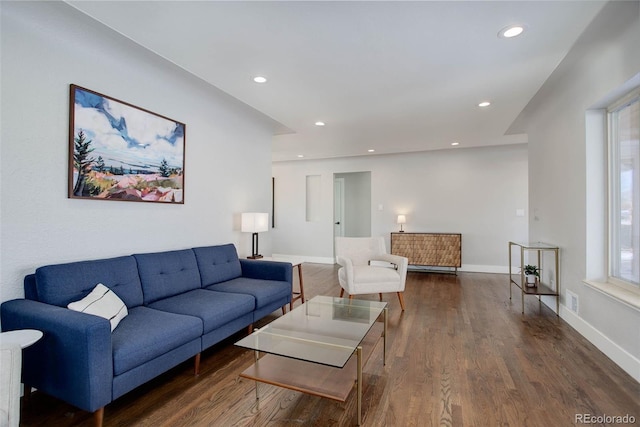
[215,309]
[368,274]
[265,292]
[147,333]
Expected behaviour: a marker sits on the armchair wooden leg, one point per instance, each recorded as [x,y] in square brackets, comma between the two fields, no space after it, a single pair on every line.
[284,309]
[196,364]
[98,417]
[380,296]
[401,298]
[341,292]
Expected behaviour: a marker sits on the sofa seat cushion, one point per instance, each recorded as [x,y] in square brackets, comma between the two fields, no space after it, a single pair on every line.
[147,333]
[213,308]
[264,291]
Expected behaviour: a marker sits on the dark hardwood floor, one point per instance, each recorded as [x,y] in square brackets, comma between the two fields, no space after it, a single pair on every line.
[461,354]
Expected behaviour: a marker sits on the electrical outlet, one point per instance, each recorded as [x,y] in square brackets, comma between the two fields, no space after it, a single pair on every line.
[572,302]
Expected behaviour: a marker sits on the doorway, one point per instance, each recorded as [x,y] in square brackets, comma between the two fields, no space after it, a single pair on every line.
[352,204]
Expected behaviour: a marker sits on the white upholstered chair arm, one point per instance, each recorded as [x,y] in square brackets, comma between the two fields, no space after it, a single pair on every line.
[344,262]
[399,261]
[10,370]
[347,266]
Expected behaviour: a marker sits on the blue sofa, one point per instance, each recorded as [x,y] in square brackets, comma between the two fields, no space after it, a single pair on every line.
[179,303]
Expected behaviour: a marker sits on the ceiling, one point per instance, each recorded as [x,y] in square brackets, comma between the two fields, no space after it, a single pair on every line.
[389,76]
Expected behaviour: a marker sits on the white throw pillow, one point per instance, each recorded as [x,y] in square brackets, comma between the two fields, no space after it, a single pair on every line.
[102,302]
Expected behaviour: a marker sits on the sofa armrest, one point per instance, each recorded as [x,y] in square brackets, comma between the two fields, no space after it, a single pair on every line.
[73,360]
[267,270]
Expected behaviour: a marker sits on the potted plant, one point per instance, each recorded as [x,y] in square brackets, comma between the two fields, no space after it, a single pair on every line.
[532,272]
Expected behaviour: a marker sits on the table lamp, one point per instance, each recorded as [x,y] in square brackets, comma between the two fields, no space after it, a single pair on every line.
[254,222]
[401,220]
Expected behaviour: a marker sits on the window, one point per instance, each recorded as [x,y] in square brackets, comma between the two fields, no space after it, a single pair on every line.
[624,190]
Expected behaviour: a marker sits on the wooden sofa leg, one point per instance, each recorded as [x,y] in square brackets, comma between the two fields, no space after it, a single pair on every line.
[401,298]
[196,363]
[380,297]
[26,395]
[98,417]
[250,329]
[341,292]
[284,309]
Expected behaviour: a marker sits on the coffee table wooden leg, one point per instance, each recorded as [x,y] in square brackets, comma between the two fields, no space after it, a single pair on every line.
[359,356]
[257,395]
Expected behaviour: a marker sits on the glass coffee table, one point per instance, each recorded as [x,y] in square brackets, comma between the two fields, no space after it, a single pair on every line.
[311,349]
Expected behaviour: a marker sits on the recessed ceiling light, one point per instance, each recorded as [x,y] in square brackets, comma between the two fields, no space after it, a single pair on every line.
[484,104]
[300,156]
[319,123]
[260,79]
[371,150]
[511,31]
[455,143]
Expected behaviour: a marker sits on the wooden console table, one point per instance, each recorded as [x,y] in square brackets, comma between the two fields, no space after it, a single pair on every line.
[429,249]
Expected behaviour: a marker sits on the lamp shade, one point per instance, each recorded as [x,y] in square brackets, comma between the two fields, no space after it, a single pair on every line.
[255,222]
[401,219]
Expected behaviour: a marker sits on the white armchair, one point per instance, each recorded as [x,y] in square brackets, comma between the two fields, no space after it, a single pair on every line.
[367,268]
[10,370]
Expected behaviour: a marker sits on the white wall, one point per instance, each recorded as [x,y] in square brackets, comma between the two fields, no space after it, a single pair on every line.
[564,209]
[474,191]
[45,47]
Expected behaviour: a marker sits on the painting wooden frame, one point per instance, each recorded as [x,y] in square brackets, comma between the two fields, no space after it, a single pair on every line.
[118,151]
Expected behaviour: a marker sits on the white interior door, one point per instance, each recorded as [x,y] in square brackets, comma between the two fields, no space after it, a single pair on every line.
[338,207]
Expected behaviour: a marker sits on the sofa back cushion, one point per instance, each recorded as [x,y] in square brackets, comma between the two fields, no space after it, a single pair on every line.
[61,284]
[218,263]
[165,274]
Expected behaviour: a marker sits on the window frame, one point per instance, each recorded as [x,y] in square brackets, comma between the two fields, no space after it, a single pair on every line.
[613,185]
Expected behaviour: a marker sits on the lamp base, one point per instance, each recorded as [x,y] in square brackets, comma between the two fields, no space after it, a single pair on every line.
[254,257]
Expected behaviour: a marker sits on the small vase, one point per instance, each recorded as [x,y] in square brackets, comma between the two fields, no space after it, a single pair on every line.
[531,280]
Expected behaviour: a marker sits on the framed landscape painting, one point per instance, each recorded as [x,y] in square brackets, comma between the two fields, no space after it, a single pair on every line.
[118,151]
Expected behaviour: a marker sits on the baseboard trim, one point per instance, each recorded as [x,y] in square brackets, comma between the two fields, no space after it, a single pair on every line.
[472,268]
[613,351]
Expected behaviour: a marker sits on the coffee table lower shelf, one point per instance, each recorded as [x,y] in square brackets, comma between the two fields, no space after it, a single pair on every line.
[312,378]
